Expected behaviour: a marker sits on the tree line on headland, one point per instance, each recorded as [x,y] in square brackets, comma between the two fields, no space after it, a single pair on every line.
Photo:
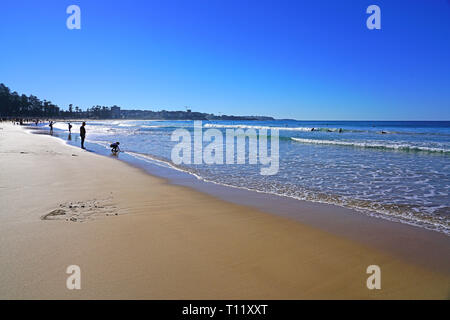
[13,105]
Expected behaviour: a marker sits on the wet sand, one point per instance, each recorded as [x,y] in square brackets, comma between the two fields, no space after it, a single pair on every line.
[135,236]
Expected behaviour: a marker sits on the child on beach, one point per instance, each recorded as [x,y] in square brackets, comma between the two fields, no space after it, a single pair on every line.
[115,147]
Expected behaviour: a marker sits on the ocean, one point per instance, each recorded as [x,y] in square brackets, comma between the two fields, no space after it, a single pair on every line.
[396,170]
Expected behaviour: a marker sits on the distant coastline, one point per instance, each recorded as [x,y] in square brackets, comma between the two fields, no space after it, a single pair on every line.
[14,106]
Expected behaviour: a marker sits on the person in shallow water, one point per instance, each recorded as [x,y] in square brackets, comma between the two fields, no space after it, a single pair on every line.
[83,134]
[70,127]
[115,147]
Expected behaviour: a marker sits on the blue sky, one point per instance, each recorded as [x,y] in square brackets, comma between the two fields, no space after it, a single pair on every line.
[287,59]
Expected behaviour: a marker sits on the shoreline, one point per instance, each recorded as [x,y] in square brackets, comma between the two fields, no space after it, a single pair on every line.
[260,256]
[147,160]
[429,249]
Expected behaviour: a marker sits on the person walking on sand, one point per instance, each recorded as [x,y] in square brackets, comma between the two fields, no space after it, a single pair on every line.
[82,134]
[70,128]
[51,126]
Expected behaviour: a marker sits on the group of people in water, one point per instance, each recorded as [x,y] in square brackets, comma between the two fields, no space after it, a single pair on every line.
[329,130]
[340,130]
[82,131]
[114,146]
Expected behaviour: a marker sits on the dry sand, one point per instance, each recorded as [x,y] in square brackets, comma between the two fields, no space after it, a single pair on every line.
[135,236]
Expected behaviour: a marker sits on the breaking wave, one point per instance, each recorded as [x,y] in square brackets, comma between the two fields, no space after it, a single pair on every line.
[373,145]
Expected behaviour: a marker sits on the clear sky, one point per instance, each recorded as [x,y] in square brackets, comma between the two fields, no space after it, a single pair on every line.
[288,59]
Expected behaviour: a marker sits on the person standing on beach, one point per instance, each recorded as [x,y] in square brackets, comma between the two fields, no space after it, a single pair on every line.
[70,128]
[51,126]
[82,134]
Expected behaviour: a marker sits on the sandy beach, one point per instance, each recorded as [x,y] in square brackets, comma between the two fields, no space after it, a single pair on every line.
[135,236]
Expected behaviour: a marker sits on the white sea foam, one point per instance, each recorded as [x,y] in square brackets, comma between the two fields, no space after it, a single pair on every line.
[374,145]
[243,126]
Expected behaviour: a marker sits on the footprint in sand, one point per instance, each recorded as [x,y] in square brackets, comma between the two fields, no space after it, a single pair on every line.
[81,211]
